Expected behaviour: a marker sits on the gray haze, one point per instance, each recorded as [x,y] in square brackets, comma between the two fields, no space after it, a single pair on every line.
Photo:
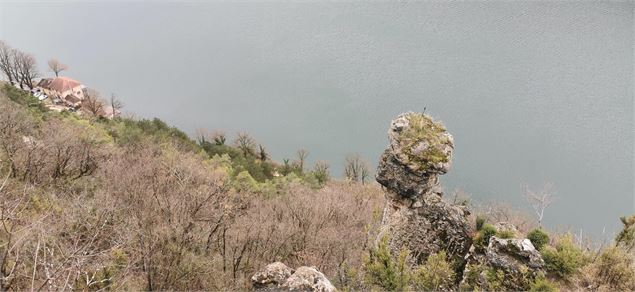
[533,92]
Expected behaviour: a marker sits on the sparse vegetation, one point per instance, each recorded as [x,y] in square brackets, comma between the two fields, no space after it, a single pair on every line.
[613,270]
[542,284]
[565,259]
[481,240]
[480,221]
[388,272]
[437,274]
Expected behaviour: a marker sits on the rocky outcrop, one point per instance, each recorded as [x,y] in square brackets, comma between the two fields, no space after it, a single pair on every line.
[415,216]
[277,276]
[505,264]
[417,219]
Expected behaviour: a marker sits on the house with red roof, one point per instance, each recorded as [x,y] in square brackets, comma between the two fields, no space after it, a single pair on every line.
[63,88]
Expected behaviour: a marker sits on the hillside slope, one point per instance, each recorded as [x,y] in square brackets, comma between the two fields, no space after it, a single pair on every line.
[90,203]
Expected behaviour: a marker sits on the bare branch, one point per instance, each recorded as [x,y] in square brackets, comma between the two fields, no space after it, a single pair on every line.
[539,201]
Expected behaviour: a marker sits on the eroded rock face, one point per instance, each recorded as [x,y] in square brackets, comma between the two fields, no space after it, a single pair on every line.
[278,277]
[506,264]
[415,217]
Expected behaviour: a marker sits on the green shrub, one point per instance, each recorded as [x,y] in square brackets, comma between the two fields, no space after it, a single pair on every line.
[436,274]
[626,237]
[538,238]
[541,284]
[480,221]
[129,131]
[565,259]
[506,234]
[481,239]
[245,183]
[471,277]
[495,279]
[258,169]
[381,269]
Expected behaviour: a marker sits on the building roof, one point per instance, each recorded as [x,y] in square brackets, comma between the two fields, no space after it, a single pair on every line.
[59,84]
[72,99]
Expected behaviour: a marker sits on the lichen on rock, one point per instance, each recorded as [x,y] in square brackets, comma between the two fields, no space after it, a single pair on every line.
[420,143]
[420,149]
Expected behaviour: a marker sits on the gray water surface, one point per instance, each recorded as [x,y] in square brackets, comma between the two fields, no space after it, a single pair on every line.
[533,92]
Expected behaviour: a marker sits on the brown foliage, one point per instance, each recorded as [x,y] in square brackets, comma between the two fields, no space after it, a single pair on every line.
[79,212]
[322,229]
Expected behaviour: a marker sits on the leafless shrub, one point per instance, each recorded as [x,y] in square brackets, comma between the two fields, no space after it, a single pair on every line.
[539,201]
[26,68]
[172,204]
[245,143]
[300,229]
[503,212]
[92,102]
[14,125]
[356,169]
[7,63]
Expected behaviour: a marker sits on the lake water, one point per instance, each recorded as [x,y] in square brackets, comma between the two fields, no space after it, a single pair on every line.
[532,92]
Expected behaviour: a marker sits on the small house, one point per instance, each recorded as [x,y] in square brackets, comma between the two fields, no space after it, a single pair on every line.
[62,87]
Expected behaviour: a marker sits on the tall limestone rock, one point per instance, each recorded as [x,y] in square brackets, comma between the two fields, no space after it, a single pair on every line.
[415,216]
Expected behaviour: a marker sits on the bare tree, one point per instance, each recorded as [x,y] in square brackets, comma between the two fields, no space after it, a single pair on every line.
[56,67]
[92,102]
[7,64]
[245,143]
[356,169]
[116,105]
[366,173]
[302,154]
[26,68]
[539,201]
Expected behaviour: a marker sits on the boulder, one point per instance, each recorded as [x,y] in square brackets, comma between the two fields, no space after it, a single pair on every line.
[415,216]
[273,274]
[506,264]
[278,277]
[308,279]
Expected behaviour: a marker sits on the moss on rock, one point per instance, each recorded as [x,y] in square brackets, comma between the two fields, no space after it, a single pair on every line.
[421,143]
